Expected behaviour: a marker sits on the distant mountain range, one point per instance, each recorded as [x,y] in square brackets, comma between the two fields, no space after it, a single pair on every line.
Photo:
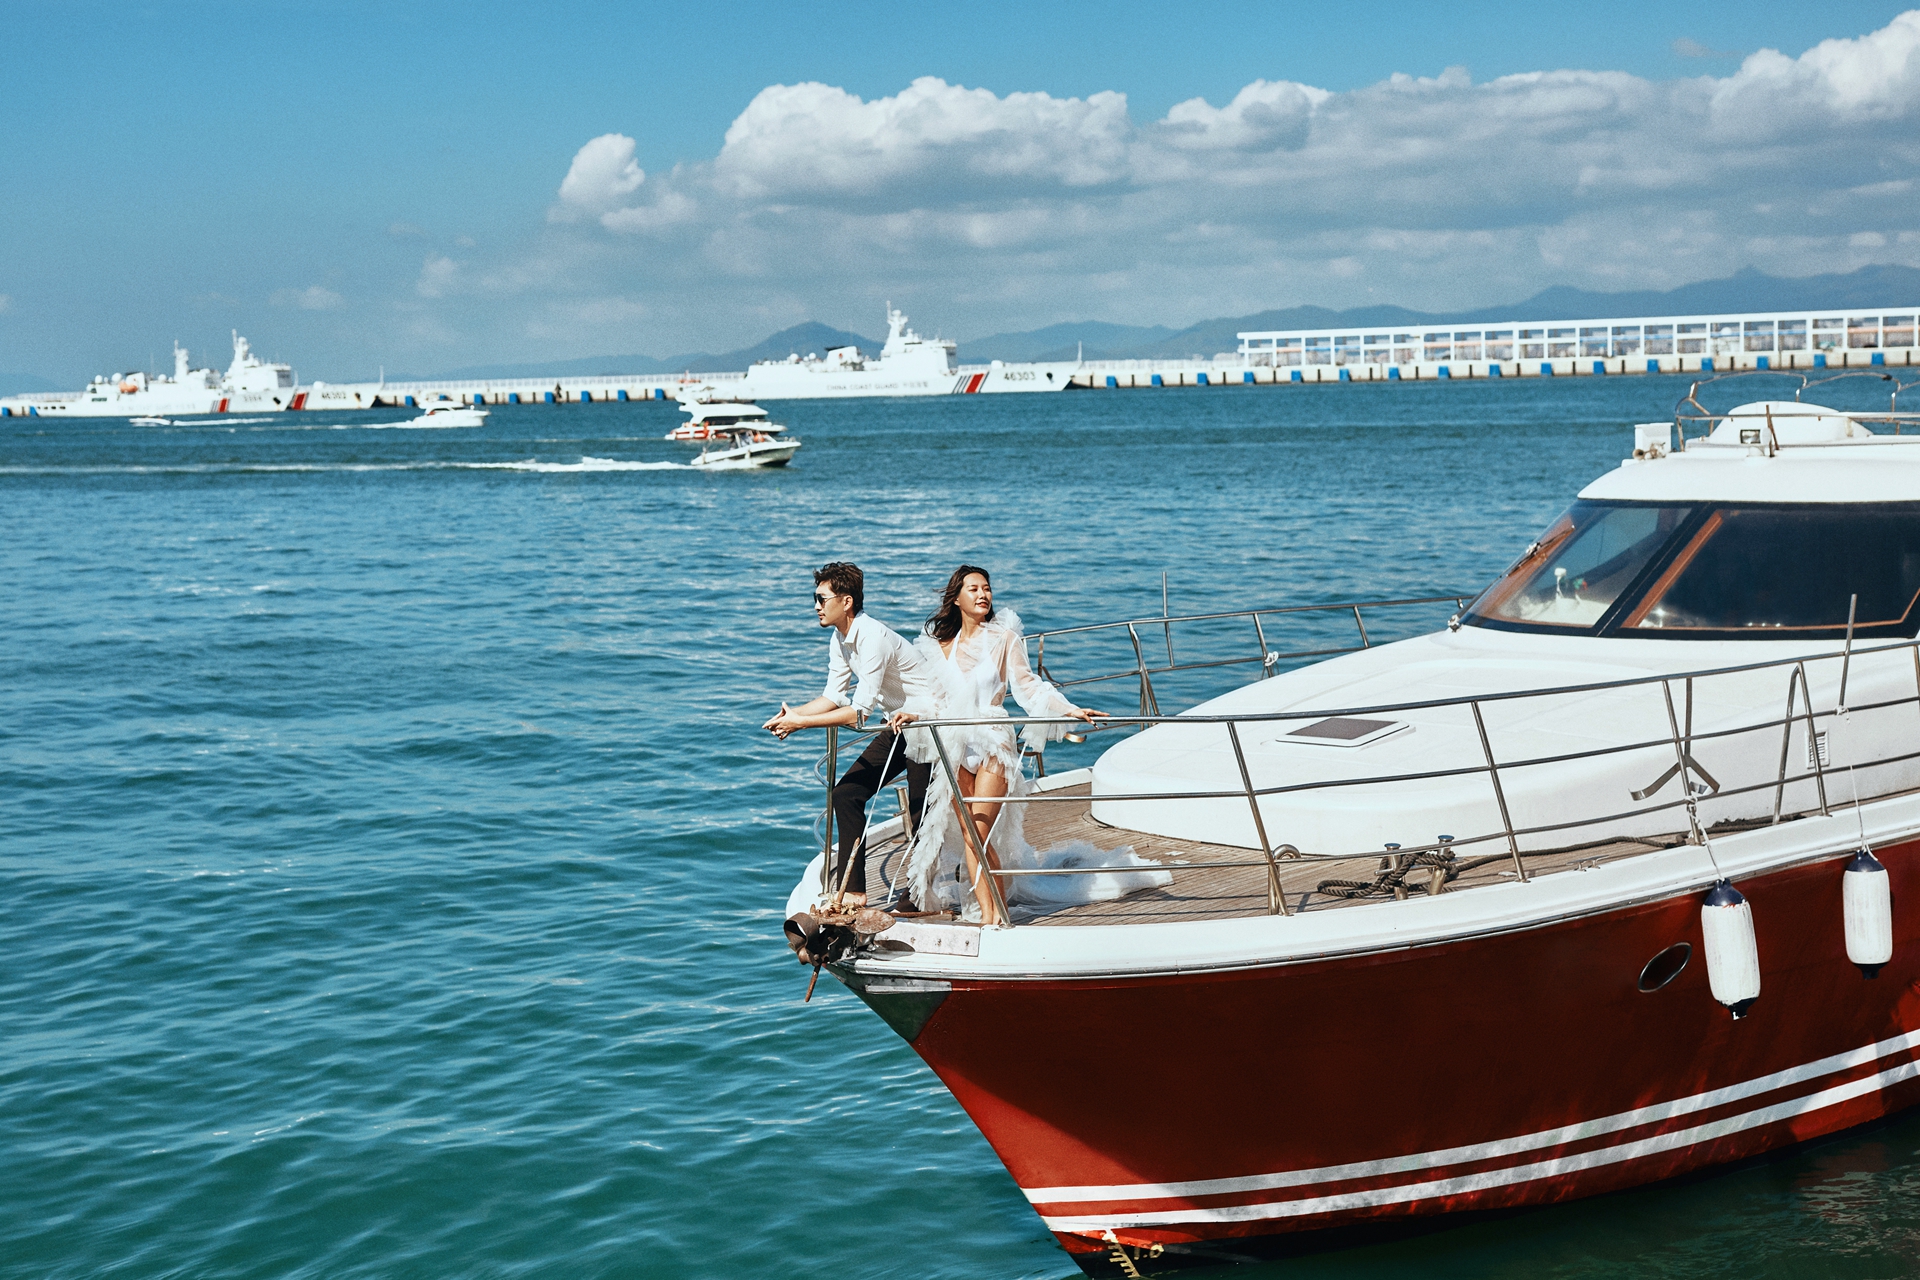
[810,338]
[1747,290]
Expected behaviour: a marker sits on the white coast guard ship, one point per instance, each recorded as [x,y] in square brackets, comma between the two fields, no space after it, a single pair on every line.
[908,365]
[250,385]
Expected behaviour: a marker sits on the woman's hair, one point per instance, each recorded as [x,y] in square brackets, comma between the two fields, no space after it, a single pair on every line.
[845,580]
[943,624]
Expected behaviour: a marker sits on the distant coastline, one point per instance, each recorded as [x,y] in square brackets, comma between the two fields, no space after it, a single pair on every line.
[1747,290]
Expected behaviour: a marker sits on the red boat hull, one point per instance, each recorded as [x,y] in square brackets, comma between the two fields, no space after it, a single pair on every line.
[1207,1115]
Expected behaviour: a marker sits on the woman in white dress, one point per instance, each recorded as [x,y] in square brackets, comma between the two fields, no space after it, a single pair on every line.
[981,656]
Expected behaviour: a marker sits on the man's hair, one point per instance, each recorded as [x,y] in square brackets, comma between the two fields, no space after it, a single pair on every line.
[845,579]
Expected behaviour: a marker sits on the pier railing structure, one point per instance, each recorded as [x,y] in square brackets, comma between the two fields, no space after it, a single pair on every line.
[1793,745]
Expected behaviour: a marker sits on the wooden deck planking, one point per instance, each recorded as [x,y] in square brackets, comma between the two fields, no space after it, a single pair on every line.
[1225,892]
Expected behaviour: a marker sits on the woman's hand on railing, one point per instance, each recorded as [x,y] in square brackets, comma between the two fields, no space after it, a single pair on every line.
[899,720]
[1087,713]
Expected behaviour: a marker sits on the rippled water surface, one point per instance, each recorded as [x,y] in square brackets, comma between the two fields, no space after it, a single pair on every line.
[393,868]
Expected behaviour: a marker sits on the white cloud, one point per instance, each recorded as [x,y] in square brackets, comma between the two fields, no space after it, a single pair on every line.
[437,277]
[984,210]
[602,174]
[312,298]
[812,140]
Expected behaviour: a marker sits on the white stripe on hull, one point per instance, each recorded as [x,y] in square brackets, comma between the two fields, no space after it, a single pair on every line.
[1439,1188]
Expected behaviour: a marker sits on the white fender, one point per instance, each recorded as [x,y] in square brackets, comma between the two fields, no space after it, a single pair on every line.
[1866,899]
[1733,959]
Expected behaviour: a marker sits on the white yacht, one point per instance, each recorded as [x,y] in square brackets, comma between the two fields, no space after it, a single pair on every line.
[250,385]
[908,365]
[1613,879]
[446,412]
[733,434]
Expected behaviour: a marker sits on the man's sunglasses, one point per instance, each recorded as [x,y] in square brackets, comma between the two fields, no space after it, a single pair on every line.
[819,598]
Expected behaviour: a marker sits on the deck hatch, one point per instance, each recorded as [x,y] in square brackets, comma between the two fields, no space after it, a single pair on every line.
[1344,731]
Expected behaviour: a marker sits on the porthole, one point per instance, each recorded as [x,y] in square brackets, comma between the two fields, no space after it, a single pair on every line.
[1666,966]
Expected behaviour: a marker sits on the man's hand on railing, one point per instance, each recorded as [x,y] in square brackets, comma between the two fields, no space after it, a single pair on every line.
[817,714]
[899,720]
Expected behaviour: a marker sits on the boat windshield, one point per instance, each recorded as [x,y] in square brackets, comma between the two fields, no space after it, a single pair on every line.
[1713,572]
[1785,571]
[1580,566]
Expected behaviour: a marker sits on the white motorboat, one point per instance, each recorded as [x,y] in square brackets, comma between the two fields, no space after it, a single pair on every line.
[449,413]
[151,422]
[746,445]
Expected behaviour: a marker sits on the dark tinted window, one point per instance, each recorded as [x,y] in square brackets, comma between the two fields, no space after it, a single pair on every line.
[1789,572]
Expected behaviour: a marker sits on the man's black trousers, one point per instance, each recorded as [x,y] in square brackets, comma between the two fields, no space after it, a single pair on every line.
[872,771]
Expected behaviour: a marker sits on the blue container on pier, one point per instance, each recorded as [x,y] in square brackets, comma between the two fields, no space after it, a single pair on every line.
[1157,382]
[1706,365]
[1495,371]
[1346,376]
[1819,361]
[1203,379]
[1879,358]
[1247,377]
[548,396]
[1393,374]
[1599,367]
[586,397]
[1446,372]
[1653,366]
[659,393]
[1546,368]
[513,397]
[411,404]
[1297,376]
[623,394]
[1112,381]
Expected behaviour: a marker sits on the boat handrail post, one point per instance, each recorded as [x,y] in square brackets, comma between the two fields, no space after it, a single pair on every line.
[1268,659]
[1166,623]
[1786,735]
[833,770]
[1680,762]
[1813,739]
[1846,656]
[1276,897]
[1149,705]
[971,836]
[1499,795]
[1365,643]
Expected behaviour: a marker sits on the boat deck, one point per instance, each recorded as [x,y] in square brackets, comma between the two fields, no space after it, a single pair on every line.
[1204,891]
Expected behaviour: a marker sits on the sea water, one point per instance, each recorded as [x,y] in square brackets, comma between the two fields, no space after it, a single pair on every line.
[393,863]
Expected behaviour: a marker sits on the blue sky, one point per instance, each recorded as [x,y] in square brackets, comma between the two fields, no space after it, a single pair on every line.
[357,184]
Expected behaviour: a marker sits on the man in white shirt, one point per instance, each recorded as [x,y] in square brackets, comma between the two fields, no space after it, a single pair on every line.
[871,670]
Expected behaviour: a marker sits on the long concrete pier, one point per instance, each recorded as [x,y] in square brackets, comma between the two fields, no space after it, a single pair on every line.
[1235,371]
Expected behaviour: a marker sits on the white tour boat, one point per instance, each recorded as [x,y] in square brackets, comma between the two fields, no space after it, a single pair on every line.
[1613,879]
[732,433]
[250,385]
[708,414]
[908,365]
[450,413]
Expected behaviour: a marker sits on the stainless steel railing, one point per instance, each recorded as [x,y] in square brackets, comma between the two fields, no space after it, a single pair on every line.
[1677,733]
[1143,669]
